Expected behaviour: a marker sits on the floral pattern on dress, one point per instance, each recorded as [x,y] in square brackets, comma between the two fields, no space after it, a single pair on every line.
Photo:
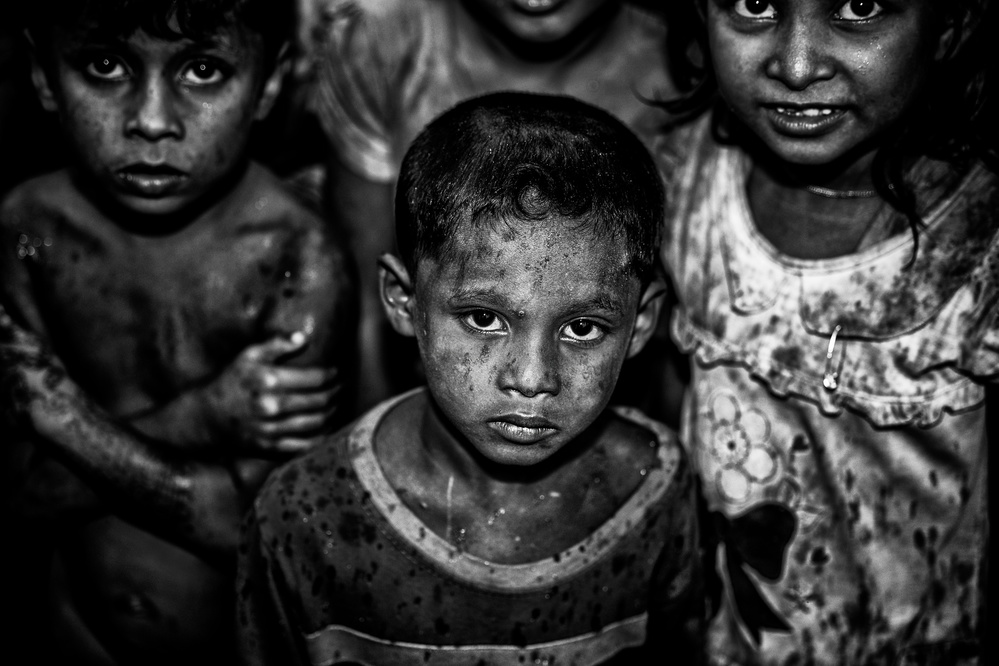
[739,443]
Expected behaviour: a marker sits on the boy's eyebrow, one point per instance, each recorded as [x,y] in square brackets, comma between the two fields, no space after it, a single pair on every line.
[601,302]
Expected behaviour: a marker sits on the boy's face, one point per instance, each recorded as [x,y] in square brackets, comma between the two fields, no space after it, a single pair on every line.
[539,21]
[156,124]
[523,339]
[815,80]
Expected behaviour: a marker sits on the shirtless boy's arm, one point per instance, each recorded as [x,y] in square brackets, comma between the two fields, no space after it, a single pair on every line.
[195,502]
[282,395]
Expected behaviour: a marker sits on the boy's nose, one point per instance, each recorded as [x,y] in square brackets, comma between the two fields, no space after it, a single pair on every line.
[154,116]
[531,368]
[799,57]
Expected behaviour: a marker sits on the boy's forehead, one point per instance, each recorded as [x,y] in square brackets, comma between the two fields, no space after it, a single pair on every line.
[542,252]
[231,36]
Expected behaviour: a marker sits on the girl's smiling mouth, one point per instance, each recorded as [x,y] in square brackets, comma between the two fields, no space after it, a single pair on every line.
[800,120]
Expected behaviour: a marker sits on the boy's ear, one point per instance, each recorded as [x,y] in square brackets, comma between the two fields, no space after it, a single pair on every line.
[39,78]
[649,306]
[272,86]
[396,290]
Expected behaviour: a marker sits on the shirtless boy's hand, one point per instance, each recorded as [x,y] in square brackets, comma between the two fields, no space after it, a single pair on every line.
[269,406]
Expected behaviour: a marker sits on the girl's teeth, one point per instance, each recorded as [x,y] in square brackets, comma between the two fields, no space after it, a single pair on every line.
[808,113]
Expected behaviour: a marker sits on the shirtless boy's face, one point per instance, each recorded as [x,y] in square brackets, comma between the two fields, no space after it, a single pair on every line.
[523,338]
[156,124]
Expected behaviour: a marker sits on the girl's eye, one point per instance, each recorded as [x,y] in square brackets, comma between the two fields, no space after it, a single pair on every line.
[859,10]
[202,73]
[107,68]
[582,330]
[756,9]
[483,320]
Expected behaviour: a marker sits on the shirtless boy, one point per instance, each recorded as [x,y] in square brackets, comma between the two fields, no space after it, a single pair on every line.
[175,316]
[504,514]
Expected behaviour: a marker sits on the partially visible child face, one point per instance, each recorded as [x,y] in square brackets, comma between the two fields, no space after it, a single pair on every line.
[539,21]
[820,80]
[522,342]
[156,123]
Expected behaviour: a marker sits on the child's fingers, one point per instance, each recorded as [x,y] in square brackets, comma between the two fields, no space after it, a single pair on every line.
[276,348]
[285,404]
[297,425]
[284,379]
[295,445]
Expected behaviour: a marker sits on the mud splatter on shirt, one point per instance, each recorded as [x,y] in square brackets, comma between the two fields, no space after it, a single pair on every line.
[336,568]
[849,513]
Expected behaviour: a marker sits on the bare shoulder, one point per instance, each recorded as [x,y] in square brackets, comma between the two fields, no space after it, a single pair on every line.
[41,200]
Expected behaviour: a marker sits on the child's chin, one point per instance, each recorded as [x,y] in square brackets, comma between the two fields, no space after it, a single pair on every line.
[153,206]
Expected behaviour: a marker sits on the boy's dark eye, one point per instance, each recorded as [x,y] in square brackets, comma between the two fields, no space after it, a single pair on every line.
[108,68]
[582,330]
[483,320]
[201,73]
[754,8]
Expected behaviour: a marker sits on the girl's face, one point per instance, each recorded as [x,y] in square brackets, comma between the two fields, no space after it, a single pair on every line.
[819,81]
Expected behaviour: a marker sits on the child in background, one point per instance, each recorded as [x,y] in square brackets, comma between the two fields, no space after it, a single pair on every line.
[504,514]
[392,66]
[175,317]
[832,237]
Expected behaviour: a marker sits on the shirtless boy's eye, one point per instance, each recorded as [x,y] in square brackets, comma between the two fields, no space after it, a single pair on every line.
[483,320]
[756,9]
[106,68]
[202,73]
[582,330]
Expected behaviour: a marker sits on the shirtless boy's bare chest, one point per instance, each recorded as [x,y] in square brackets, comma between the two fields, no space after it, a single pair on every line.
[137,319]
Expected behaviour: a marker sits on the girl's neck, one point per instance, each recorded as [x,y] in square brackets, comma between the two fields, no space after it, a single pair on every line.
[816,213]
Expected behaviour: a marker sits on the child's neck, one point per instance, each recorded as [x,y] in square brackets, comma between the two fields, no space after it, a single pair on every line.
[502,513]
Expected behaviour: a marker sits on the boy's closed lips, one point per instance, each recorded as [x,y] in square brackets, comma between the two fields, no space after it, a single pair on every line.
[151,180]
[523,428]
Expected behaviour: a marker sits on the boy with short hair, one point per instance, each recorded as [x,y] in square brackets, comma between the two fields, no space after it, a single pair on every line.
[389,67]
[177,319]
[503,514]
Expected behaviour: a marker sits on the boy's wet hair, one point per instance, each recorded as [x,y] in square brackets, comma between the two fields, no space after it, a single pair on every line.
[954,120]
[509,157]
[198,20]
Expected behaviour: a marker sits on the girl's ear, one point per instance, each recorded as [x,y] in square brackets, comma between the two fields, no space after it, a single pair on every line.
[275,81]
[649,306]
[398,297]
[39,78]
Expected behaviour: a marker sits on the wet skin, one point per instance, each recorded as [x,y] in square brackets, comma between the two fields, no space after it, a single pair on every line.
[522,339]
[150,269]
[156,125]
[819,82]
[141,322]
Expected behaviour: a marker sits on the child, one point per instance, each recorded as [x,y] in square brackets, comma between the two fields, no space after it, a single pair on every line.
[833,243]
[174,316]
[504,513]
[392,66]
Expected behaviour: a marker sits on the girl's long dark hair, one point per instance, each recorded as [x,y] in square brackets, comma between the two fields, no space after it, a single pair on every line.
[955,120]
